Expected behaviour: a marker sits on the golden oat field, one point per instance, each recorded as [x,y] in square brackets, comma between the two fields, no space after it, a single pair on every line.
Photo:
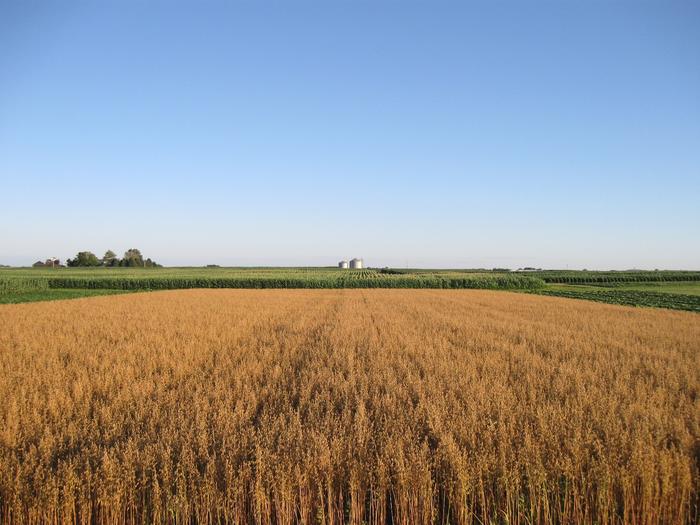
[348,406]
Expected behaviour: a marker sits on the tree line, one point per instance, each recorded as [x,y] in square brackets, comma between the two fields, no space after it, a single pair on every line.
[132,259]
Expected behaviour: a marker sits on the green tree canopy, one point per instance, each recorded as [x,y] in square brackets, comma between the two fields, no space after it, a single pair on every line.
[84,259]
[110,258]
[132,257]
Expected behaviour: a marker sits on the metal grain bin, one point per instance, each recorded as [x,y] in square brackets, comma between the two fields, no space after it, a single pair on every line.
[356,264]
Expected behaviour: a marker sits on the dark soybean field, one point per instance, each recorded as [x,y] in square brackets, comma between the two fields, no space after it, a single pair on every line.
[678,290]
[629,297]
[612,277]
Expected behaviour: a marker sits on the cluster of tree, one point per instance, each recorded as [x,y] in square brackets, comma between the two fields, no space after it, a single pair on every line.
[132,259]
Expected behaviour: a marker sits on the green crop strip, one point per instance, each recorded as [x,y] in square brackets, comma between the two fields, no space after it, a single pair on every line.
[632,298]
[610,287]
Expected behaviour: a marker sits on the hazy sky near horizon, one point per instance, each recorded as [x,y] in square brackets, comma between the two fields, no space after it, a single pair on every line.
[420,133]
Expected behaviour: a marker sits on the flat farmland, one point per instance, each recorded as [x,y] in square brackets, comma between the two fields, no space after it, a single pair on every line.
[348,406]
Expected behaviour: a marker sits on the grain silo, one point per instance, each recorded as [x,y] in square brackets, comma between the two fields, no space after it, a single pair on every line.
[343,265]
[356,264]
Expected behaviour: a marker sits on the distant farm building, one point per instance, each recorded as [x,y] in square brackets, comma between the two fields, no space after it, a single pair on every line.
[343,264]
[49,263]
[356,264]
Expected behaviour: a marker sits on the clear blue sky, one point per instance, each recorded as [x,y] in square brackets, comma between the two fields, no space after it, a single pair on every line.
[433,134]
